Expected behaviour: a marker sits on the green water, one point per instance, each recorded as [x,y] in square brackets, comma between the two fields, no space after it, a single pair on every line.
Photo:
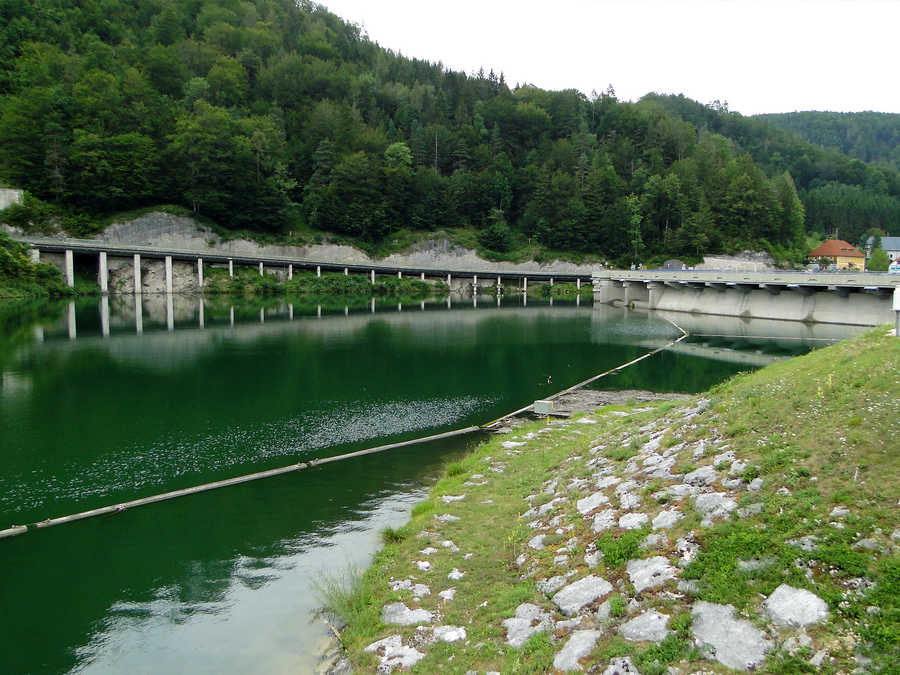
[99,407]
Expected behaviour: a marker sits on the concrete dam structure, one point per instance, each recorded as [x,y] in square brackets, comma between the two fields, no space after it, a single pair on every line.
[862,299]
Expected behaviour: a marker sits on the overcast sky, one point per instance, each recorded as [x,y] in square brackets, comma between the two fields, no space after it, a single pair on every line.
[759,55]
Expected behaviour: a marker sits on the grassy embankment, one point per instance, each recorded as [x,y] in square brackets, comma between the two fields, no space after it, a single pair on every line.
[820,431]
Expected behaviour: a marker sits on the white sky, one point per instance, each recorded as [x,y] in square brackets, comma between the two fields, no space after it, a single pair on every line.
[759,55]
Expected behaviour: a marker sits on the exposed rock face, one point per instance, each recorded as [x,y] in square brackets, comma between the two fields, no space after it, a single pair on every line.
[579,645]
[732,642]
[649,573]
[580,593]
[648,627]
[529,619]
[788,606]
[399,614]
[393,654]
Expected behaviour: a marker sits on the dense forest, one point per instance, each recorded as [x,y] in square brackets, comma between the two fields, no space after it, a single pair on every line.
[276,115]
[870,136]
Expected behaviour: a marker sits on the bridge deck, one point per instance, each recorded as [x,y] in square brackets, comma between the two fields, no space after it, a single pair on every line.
[779,278]
[90,246]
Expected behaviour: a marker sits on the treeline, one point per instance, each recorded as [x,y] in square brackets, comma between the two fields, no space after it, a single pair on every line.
[839,192]
[868,136]
[274,114]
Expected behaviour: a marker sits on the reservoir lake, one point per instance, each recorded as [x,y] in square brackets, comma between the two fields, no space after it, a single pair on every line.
[109,400]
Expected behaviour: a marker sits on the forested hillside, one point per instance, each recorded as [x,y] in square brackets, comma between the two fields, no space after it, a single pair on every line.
[277,116]
[869,136]
[838,192]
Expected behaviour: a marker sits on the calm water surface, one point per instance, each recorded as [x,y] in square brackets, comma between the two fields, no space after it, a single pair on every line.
[102,403]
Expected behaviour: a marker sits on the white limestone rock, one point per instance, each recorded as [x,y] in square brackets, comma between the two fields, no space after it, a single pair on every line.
[449,499]
[647,627]
[734,643]
[795,607]
[629,501]
[399,614]
[579,645]
[633,521]
[604,520]
[537,543]
[714,505]
[581,593]
[591,502]
[666,519]
[649,572]
[449,633]
[705,475]
[455,575]
[447,595]
[529,619]
[393,654]
[549,586]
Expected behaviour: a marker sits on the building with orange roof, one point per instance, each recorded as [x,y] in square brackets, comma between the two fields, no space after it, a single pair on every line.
[844,255]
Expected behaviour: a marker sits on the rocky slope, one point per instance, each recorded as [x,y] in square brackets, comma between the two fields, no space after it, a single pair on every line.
[751,529]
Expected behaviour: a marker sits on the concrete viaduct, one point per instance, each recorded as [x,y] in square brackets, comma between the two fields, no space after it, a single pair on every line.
[69,247]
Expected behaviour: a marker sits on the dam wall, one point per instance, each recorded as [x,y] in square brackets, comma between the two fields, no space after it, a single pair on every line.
[843,301]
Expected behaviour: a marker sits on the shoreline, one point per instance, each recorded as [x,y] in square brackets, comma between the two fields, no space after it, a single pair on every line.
[622,536]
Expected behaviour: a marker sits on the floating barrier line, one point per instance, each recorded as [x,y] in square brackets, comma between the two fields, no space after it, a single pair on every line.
[17,530]
[206,487]
[575,387]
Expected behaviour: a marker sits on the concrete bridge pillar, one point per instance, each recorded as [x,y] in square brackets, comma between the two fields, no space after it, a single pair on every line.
[138,287]
[498,283]
[35,255]
[201,319]
[524,284]
[346,271]
[607,291]
[448,282]
[290,275]
[261,270]
[399,274]
[70,268]
[200,276]
[103,273]
[551,282]
[422,276]
[655,291]
[230,267]
[578,283]
[373,280]
[169,276]
[475,283]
